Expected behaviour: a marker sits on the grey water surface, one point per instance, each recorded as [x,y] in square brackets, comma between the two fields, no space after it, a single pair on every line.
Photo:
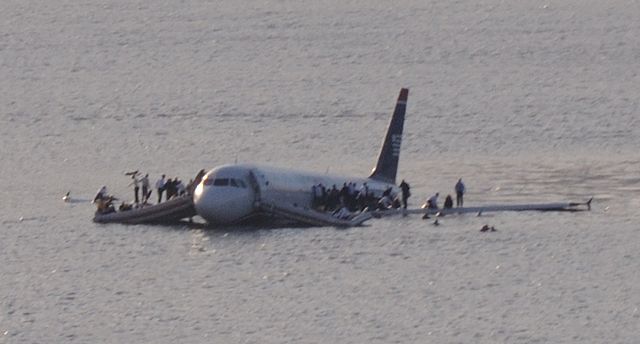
[526,101]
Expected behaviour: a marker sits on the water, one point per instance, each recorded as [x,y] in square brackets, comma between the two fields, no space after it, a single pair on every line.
[527,102]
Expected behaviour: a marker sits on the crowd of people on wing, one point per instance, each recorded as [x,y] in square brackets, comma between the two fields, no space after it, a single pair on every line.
[342,202]
[349,198]
[171,188]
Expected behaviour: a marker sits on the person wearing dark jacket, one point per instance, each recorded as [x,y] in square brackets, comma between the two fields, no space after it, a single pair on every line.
[448,202]
[170,188]
[460,190]
[405,193]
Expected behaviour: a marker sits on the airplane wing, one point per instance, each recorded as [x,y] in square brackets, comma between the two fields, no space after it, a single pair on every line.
[557,206]
[312,217]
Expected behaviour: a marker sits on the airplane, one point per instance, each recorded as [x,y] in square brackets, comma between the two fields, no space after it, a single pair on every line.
[237,193]
[249,193]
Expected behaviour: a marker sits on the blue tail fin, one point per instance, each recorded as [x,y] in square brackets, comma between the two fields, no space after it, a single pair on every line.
[387,165]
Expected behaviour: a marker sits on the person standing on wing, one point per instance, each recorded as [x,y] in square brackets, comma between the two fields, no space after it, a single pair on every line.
[145,188]
[160,184]
[460,190]
[404,187]
[136,187]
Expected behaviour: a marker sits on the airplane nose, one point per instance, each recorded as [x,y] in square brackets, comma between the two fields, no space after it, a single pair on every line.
[206,202]
[222,205]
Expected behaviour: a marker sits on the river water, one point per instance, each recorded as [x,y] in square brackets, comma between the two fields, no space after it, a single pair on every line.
[526,101]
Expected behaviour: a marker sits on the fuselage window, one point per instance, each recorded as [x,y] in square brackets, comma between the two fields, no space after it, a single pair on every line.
[208,181]
[221,182]
[233,183]
[242,184]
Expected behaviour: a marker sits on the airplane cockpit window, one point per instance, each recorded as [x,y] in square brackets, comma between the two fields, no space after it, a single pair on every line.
[236,183]
[221,182]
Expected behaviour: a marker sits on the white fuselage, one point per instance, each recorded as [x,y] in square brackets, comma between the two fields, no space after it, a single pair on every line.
[230,193]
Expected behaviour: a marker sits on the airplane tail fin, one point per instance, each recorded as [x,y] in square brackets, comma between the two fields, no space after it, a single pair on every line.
[387,165]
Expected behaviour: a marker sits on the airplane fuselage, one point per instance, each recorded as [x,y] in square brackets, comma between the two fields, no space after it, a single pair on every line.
[230,193]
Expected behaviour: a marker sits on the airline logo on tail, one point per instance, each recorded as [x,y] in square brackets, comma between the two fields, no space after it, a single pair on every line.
[396,141]
[387,165]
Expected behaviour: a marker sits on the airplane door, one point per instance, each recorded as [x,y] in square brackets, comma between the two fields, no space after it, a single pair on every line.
[255,186]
